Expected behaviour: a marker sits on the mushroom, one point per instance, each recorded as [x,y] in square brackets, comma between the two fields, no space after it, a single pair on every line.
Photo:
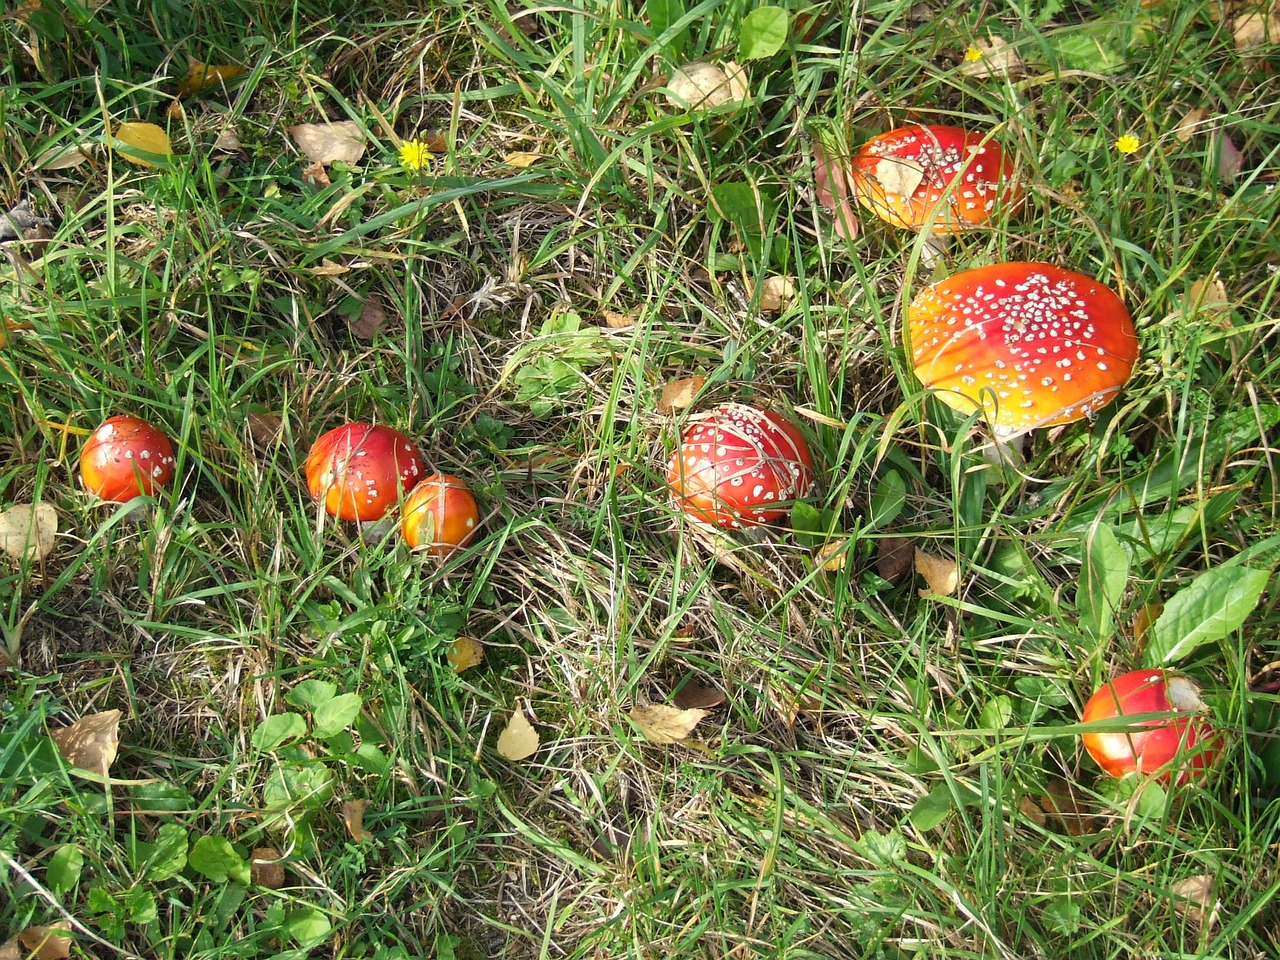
[739,466]
[1029,344]
[126,457]
[944,178]
[360,471]
[1185,740]
[440,515]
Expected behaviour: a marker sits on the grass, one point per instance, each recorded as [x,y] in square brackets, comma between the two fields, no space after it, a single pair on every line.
[870,787]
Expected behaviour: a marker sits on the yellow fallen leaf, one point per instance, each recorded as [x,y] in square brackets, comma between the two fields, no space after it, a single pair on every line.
[1253,30]
[464,653]
[28,530]
[1191,123]
[201,76]
[660,723]
[520,159]
[833,556]
[353,818]
[777,294]
[1196,899]
[142,143]
[1208,295]
[616,320]
[941,575]
[329,142]
[91,742]
[519,740]
[679,394]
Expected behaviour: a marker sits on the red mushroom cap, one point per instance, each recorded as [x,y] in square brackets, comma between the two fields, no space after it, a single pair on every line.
[1031,344]
[1151,746]
[737,463]
[360,471]
[440,515]
[125,458]
[902,176]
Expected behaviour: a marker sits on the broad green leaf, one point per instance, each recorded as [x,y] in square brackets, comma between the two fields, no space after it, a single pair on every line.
[996,713]
[278,728]
[888,498]
[806,521]
[161,798]
[885,850]
[1208,609]
[663,15]
[62,874]
[764,31]
[216,859]
[167,857]
[741,204]
[307,926]
[1102,584]
[306,785]
[334,716]
[143,143]
[931,809]
[309,694]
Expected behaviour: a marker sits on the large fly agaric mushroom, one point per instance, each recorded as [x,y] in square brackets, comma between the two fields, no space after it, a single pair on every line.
[360,471]
[125,458]
[944,178]
[738,466]
[1184,741]
[1030,344]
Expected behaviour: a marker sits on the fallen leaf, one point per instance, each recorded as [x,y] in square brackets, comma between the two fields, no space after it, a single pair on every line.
[1143,620]
[328,268]
[141,143]
[693,695]
[790,702]
[265,868]
[679,394]
[46,943]
[1257,29]
[313,175]
[1208,296]
[660,723]
[329,142]
[520,159]
[228,141]
[1031,809]
[28,530]
[1230,159]
[834,190]
[1191,124]
[1069,811]
[941,575]
[895,556]
[700,85]
[1196,899]
[67,156]
[617,321]
[464,653]
[833,556]
[994,58]
[264,428]
[201,76]
[519,740]
[353,818]
[371,319]
[777,294]
[898,176]
[91,742]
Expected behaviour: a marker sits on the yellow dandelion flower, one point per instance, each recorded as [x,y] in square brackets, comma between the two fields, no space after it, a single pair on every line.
[415,154]
[972,54]
[1128,143]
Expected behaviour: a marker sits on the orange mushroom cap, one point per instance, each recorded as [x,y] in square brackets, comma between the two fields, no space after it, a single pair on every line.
[1030,344]
[903,175]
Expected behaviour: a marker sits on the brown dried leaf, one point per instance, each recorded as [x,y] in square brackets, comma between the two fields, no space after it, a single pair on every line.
[777,294]
[313,175]
[28,530]
[228,141]
[693,695]
[1196,899]
[995,58]
[353,818]
[898,176]
[202,76]
[265,868]
[91,742]
[521,159]
[618,321]
[1256,29]
[699,85]
[519,740]
[66,157]
[1031,809]
[372,318]
[940,573]
[895,556]
[1208,296]
[1192,123]
[264,428]
[1070,811]
[46,943]
[659,723]
[464,653]
[1147,615]
[327,143]
[679,394]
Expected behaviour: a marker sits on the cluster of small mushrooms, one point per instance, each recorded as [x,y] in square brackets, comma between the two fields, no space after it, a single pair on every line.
[1028,345]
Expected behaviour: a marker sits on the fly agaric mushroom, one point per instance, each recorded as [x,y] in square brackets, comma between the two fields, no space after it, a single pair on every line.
[440,515]
[738,465]
[944,178]
[1185,741]
[360,471]
[126,457]
[1030,344]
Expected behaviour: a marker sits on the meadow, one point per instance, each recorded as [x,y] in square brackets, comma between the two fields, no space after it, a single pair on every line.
[502,229]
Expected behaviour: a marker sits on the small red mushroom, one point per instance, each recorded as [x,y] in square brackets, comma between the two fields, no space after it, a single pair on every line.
[738,466]
[360,471]
[1030,344]
[945,178]
[126,457]
[440,515]
[1185,741]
